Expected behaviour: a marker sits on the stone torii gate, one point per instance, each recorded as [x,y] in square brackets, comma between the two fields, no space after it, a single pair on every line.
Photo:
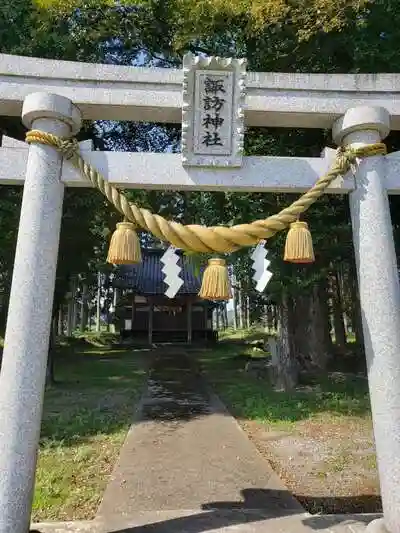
[54,96]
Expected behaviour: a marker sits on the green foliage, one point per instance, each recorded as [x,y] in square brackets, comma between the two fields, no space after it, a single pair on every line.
[197,261]
[214,24]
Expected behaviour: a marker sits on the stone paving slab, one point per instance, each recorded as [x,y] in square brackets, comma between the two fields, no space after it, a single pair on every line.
[250,521]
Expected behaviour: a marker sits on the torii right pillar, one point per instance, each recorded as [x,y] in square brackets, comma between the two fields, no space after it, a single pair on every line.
[378,280]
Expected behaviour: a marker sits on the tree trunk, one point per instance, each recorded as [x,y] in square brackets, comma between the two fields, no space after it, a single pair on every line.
[319,340]
[114,314]
[300,333]
[326,317]
[337,310]
[50,374]
[287,369]
[247,312]
[312,339]
[60,321]
[275,319]
[225,315]
[240,307]
[270,317]
[74,305]
[356,312]
[69,317]
[235,313]
[84,308]
[98,308]
[107,308]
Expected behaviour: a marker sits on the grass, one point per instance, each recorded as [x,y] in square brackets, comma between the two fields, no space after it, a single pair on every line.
[255,400]
[96,338]
[85,420]
[248,334]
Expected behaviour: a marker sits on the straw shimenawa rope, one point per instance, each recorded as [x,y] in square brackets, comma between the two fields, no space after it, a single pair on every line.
[220,239]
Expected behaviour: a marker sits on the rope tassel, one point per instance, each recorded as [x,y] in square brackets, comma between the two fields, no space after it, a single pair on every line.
[299,245]
[215,285]
[124,246]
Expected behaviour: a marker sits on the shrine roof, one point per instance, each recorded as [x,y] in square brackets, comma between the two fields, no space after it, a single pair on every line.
[146,278]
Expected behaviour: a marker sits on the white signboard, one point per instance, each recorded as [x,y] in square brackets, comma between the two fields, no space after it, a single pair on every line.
[212,113]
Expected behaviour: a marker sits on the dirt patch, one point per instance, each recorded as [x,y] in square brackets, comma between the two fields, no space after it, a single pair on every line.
[329,464]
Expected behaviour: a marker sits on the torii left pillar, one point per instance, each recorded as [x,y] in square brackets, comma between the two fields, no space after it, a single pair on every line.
[23,372]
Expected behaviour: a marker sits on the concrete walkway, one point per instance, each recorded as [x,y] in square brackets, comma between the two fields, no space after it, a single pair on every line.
[186,466]
[188,453]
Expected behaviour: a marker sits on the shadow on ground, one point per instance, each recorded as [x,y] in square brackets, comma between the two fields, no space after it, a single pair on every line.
[176,390]
[364,503]
[252,510]
[96,393]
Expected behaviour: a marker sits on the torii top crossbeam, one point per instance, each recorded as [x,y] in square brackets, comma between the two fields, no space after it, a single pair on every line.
[361,109]
[155,94]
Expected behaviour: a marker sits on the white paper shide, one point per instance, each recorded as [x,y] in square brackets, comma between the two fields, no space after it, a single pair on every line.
[171,270]
[260,266]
